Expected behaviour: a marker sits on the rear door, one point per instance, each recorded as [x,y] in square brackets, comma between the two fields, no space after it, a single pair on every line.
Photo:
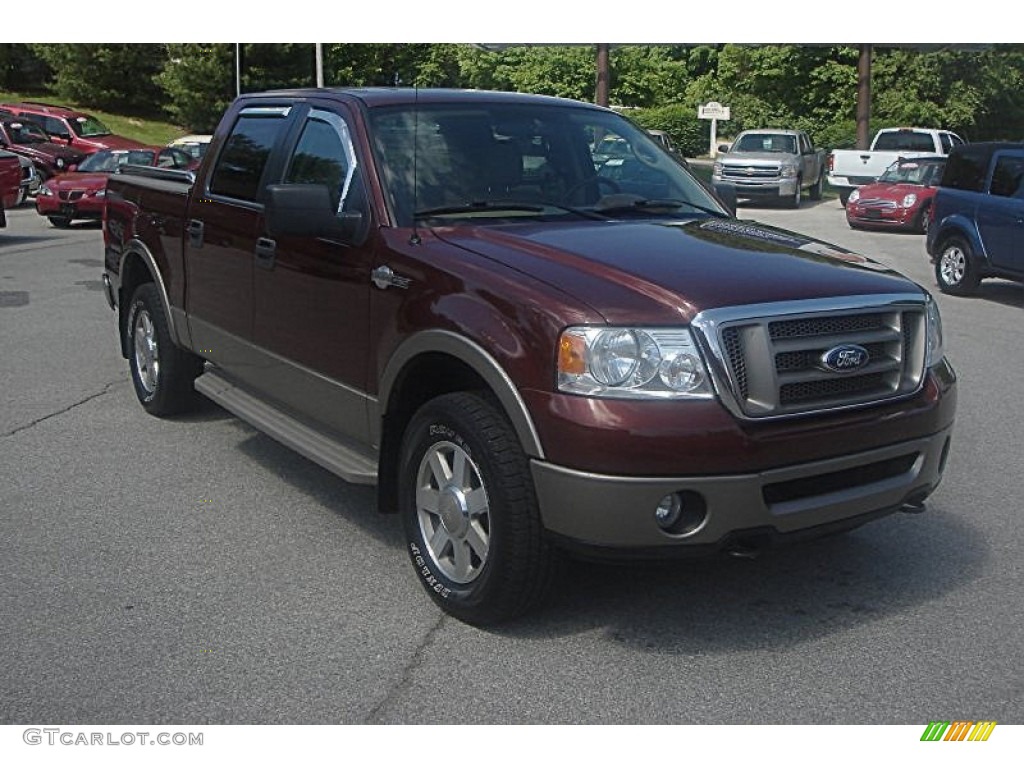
[221,237]
[1001,215]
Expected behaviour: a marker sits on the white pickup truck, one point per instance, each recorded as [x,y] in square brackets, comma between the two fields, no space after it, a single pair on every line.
[852,168]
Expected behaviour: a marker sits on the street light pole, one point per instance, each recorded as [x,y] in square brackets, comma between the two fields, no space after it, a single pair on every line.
[319,65]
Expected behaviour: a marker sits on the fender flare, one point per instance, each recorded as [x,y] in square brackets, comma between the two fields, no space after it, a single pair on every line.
[138,248]
[482,362]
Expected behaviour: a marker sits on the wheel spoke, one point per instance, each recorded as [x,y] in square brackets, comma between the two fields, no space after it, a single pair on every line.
[477,540]
[476,500]
[462,559]
[428,499]
[461,470]
[438,541]
[439,467]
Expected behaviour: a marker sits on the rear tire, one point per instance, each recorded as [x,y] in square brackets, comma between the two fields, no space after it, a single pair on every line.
[470,512]
[844,196]
[162,372]
[955,269]
[60,222]
[797,198]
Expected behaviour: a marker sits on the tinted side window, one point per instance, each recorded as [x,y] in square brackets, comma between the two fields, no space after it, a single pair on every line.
[947,142]
[321,158]
[240,166]
[966,170]
[1007,177]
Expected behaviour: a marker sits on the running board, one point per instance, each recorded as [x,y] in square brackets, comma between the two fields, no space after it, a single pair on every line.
[346,461]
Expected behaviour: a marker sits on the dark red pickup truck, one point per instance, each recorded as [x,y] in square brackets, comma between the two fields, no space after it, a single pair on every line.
[526,349]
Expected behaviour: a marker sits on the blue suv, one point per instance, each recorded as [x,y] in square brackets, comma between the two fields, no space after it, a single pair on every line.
[977,225]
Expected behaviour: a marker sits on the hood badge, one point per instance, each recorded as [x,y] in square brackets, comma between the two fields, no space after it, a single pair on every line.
[845,358]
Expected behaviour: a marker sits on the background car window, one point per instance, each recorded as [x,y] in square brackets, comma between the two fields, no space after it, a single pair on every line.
[1008,177]
[240,166]
[320,158]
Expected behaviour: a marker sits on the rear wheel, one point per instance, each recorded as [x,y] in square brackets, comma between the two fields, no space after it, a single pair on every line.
[162,372]
[60,222]
[844,196]
[470,513]
[955,270]
[921,225]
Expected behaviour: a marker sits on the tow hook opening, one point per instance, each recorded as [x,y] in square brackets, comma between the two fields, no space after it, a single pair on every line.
[914,505]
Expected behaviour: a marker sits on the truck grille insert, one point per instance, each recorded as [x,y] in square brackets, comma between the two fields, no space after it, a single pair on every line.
[778,364]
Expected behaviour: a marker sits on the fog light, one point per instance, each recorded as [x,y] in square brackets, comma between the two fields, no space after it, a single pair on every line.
[669,510]
[681,513]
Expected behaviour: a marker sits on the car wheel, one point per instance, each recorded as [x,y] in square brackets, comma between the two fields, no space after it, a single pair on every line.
[921,225]
[470,513]
[60,222]
[797,198]
[816,190]
[162,372]
[955,270]
[844,196]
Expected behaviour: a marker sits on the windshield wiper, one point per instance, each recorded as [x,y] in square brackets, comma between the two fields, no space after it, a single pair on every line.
[479,206]
[498,206]
[625,203]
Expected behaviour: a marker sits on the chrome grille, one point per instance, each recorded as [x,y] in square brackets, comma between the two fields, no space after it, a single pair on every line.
[741,172]
[769,359]
[874,202]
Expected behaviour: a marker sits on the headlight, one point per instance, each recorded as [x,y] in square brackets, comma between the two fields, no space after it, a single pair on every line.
[641,363]
[933,351]
[60,162]
[909,200]
[45,191]
[788,171]
[99,193]
[854,196]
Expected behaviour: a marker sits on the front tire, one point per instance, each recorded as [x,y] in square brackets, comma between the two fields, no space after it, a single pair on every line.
[470,513]
[955,269]
[162,372]
[797,198]
[844,196]
[817,189]
[60,222]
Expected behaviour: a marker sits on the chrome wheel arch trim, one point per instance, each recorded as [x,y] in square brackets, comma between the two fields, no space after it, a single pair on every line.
[138,248]
[481,361]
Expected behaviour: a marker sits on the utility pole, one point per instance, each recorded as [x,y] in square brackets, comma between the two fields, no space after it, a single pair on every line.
[601,95]
[319,65]
[864,96]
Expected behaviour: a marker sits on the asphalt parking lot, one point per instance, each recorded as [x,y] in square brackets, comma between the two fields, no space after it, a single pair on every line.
[195,571]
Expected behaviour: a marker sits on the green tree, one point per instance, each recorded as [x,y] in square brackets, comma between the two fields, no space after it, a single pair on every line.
[199,80]
[115,76]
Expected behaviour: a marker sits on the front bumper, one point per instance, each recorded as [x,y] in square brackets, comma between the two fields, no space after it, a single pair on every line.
[602,512]
[895,218]
[759,189]
[81,208]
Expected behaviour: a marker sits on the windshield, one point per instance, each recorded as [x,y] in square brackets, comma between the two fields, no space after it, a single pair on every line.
[766,142]
[107,161]
[499,160]
[903,172]
[26,133]
[89,126]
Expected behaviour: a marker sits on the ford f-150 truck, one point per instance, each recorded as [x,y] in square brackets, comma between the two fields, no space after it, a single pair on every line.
[771,165]
[435,292]
[849,169]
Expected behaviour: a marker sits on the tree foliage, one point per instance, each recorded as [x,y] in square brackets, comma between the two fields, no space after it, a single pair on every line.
[112,76]
[978,92]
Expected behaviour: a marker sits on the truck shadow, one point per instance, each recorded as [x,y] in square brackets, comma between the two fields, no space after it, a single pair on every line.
[1002,292]
[785,597]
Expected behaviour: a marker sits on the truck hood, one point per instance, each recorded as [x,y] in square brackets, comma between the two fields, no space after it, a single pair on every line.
[667,271]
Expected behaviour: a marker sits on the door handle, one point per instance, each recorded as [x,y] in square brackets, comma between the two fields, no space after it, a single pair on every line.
[195,233]
[265,250]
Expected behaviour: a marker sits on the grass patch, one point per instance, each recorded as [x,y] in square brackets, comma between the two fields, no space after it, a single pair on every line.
[146,130]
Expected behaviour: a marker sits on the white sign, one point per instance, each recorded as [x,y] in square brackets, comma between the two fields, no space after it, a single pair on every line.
[712,111]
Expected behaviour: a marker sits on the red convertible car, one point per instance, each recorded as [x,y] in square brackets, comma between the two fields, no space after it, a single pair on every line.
[901,197]
[81,194]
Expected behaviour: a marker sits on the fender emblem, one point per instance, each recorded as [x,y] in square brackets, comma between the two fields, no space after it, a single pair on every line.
[846,358]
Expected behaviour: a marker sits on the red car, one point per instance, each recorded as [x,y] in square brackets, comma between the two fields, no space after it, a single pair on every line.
[28,139]
[71,127]
[81,194]
[901,197]
[10,183]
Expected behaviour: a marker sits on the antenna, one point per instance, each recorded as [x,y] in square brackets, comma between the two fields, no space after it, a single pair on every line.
[415,239]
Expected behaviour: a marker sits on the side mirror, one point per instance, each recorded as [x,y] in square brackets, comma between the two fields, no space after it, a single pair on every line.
[726,194]
[306,210]
[724,148]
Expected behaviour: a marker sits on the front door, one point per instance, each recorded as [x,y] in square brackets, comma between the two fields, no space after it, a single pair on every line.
[311,294]
[1001,216]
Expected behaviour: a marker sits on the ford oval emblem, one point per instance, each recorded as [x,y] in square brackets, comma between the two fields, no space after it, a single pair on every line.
[846,358]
